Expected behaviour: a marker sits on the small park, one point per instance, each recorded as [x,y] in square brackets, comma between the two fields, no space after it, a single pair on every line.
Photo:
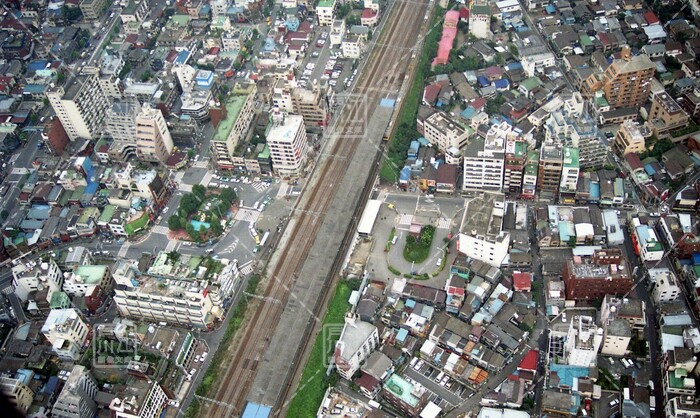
[203,213]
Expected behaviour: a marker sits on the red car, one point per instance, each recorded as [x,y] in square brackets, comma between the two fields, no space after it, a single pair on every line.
[588,404]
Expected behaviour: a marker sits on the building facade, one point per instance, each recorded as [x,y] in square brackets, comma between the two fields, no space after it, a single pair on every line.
[441,131]
[582,341]
[77,398]
[550,166]
[626,83]
[607,272]
[481,236]
[17,393]
[67,333]
[81,107]
[153,140]
[484,163]
[629,139]
[288,145]
[356,343]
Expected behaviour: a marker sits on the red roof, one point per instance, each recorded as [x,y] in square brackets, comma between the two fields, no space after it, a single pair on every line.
[431,93]
[453,290]
[368,14]
[304,26]
[132,38]
[213,51]
[478,104]
[651,18]
[521,281]
[464,13]
[367,381]
[171,56]
[529,361]
[634,162]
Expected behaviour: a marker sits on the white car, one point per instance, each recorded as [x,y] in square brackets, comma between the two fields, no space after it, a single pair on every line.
[175,404]
[165,210]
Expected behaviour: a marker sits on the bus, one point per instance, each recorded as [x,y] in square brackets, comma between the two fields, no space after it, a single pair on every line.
[264,238]
[652,404]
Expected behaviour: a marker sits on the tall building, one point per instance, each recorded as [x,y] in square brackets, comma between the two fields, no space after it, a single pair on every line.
[530,175]
[288,146]
[121,127]
[666,287]
[140,399]
[442,132]
[356,343]
[407,397]
[481,235]
[153,141]
[483,164]
[626,82]
[77,399]
[325,10]
[67,333]
[582,341]
[616,337]
[569,172]
[17,393]
[234,128]
[312,105]
[93,9]
[629,139]
[513,174]
[572,126]
[31,278]
[665,115]
[607,272]
[81,107]
[549,168]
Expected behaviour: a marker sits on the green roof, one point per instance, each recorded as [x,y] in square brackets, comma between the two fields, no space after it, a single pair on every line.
[326,3]
[519,149]
[107,213]
[59,300]
[481,10]
[585,40]
[137,224]
[402,389]
[77,193]
[91,274]
[571,157]
[601,101]
[533,156]
[531,83]
[531,168]
[234,104]
[180,20]
[265,153]
[90,212]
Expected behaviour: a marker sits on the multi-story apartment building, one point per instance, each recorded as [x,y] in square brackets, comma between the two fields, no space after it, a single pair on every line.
[85,279]
[81,107]
[240,112]
[681,234]
[682,407]
[483,163]
[666,287]
[481,235]
[33,277]
[616,337]
[515,159]
[311,105]
[66,332]
[665,115]
[219,7]
[549,168]
[534,64]
[178,302]
[646,243]
[573,128]
[409,398]
[631,310]
[442,132]
[77,398]
[625,83]
[153,140]
[17,393]
[286,139]
[569,173]
[140,399]
[530,172]
[93,9]
[107,70]
[135,11]
[325,11]
[629,139]
[607,272]
[582,342]
[356,343]
[196,104]
[480,20]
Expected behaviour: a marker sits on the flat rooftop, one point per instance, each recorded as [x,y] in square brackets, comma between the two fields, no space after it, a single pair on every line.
[483,215]
[233,104]
[75,86]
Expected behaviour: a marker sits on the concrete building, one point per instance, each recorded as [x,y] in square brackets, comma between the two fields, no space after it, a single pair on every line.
[481,235]
[515,159]
[480,20]
[442,132]
[356,343]
[325,10]
[135,11]
[286,139]
[337,32]
[572,127]
[17,393]
[311,105]
[530,173]
[631,310]
[407,397]
[140,399]
[93,9]
[666,287]
[682,407]
[629,139]
[646,243]
[235,127]
[196,104]
[665,115]
[616,338]
[607,272]
[85,279]
[353,46]
[189,305]
[484,163]
[81,107]
[550,165]
[67,333]
[153,140]
[77,398]
[625,83]
[582,341]
[570,171]
[534,64]
[31,278]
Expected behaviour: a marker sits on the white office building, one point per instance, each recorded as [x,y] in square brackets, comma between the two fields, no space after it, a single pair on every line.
[67,333]
[288,145]
[77,399]
[666,287]
[582,341]
[484,163]
[356,343]
[481,236]
[81,107]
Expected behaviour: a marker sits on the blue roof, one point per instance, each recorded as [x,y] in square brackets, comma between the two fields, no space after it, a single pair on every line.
[468,112]
[401,335]
[649,169]
[182,57]
[514,66]
[550,8]
[91,188]
[37,65]
[422,141]
[696,259]
[51,385]
[253,410]
[387,103]
[595,190]
[410,303]
[567,373]
[483,81]
[405,173]
[414,146]
[34,88]
[501,84]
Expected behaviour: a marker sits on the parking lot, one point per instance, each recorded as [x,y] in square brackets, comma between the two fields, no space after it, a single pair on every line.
[325,63]
[445,393]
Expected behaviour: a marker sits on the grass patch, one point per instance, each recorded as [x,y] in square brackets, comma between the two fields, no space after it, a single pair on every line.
[417,250]
[136,225]
[314,382]
[389,172]
[216,364]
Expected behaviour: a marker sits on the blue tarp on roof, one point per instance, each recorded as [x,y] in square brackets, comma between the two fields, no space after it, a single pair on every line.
[567,373]
[483,81]
[468,113]
[253,410]
[649,170]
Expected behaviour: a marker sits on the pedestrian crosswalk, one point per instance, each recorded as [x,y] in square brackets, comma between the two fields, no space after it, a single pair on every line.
[173,245]
[247,215]
[8,290]
[160,229]
[405,219]
[230,248]
[260,186]
[247,268]
[444,223]
[124,249]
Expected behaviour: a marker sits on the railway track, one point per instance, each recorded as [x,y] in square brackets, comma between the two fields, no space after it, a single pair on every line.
[381,78]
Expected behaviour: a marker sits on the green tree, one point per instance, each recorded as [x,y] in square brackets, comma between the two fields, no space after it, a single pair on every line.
[46,102]
[352,19]
[199,191]
[4,214]
[174,222]
[194,235]
[514,51]
[71,14]
[499,58]
[146,75]
[342,10]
